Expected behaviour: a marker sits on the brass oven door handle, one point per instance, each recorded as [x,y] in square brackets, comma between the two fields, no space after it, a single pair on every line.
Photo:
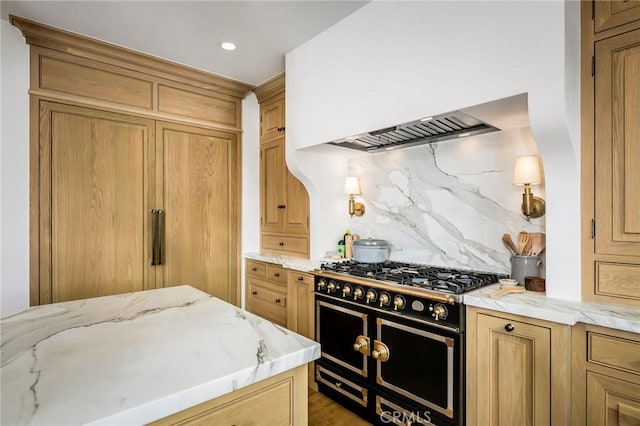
[380,351]
[362,345]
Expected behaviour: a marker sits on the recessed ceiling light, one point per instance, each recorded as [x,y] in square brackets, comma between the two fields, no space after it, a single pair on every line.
[462,135]
[426,119]
[227,45]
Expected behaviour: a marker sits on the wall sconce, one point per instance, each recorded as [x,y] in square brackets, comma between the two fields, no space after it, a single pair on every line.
[527,172]
[351,188]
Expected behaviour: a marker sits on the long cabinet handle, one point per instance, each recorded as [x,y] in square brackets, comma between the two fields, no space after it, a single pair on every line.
[160,232]
[154,237]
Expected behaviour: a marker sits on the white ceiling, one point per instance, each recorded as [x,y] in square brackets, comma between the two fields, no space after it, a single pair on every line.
[190,32]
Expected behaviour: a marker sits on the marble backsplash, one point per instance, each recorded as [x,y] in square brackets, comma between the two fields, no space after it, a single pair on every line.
[448,203]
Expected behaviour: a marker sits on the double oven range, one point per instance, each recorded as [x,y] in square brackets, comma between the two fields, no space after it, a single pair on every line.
[392,339]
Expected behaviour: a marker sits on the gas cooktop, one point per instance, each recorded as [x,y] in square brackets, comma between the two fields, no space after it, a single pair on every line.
[435,278]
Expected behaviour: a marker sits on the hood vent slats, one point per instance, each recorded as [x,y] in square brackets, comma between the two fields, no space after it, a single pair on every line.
[439,128]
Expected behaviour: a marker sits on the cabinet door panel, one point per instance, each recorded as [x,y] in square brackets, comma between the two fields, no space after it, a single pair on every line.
[273,190]
[272,119]
[617,145]
[611,401]
[613,13]
[199,201]
[513,373]
[297,211]
[93,226]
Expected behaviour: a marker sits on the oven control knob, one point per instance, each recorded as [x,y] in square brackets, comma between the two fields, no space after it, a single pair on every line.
[358,293]
[385,299]
[322,284]
[371,295]
[331,287]
[398,303]
[346,290]
[439,312]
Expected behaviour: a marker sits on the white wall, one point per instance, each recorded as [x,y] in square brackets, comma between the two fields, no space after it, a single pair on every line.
[14,172]
[393,62]
[250,177]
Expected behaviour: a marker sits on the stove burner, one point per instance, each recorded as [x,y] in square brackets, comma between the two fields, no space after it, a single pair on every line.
[437,278]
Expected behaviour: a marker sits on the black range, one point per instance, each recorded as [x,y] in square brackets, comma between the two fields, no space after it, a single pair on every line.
[392,339]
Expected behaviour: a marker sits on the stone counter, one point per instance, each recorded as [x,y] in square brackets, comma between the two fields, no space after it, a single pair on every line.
[137,357]
[538,305]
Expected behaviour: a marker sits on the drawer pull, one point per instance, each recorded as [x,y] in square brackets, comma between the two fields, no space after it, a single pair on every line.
[281,244]
[282,206]
[277,300]
[509,328]
[276,274]
[254,269]
[254,292]
[300,278]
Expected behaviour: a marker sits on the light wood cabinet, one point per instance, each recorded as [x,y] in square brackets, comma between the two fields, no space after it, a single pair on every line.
[606,376]
[613,13]
[301,312]
[284,201]
[611,152]
[517,370]
[279,400]
[267,291]
[93,191]
[134,171]
[272,115]
[300,315]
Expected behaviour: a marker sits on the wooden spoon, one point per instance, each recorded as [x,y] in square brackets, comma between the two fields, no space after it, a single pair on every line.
[538,242]
[523,240]
[506,239]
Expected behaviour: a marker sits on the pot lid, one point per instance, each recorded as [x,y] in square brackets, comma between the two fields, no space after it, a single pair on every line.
[369,242]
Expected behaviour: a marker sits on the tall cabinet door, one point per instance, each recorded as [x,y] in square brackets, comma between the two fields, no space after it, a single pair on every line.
[617,144]
[93,182]
[273,190]
[197,169]
[513,373]
[297,211]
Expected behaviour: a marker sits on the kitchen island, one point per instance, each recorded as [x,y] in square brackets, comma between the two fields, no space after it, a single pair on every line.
[139,357]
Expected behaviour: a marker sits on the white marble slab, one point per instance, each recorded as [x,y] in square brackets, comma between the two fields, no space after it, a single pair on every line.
[289,262]
[448,203]
[538,305]
[135,358]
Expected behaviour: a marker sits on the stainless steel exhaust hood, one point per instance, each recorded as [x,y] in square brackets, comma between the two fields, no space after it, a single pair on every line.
[438,128]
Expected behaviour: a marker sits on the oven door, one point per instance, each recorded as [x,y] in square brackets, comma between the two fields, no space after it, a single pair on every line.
[343,333]
[420,363]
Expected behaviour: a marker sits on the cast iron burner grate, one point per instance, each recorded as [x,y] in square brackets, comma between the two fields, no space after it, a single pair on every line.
[424,276]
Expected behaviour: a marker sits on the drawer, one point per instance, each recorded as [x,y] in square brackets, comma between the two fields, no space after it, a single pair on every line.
[277,274]
[344,387]
[256,269]
[294,245]
[300,277]
[618,280]
[268,301]
[613,351]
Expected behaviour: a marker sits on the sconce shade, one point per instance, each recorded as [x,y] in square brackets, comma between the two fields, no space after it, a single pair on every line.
[352,185]
[527,170]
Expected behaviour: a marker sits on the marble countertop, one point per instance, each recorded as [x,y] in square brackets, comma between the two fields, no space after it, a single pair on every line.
[531,304]
[135,358]
[289,262]
[538,305]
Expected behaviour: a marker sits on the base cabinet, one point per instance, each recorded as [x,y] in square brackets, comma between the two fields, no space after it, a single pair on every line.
[267,291]
[279,400]
[606,371]
[514,364]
